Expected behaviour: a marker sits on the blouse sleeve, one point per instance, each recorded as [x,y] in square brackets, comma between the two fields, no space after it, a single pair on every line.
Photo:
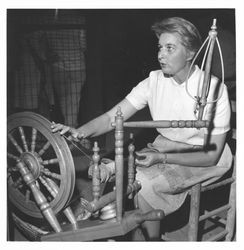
[139,95]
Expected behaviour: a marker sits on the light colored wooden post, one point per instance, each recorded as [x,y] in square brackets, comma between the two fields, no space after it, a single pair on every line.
[119,163]
[39,197]
[231,214]
[53,189]
[131,164]
[207,70]
[96,173]
[194,212]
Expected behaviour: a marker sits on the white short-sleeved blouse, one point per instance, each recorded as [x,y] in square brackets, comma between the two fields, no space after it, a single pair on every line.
[168,100]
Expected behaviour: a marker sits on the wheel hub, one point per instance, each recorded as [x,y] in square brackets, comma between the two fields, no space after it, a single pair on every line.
[32,161]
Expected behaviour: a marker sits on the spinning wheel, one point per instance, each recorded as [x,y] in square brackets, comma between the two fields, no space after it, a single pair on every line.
[41,179]
[46,156]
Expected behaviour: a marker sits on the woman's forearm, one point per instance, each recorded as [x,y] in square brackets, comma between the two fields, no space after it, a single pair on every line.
[208,156]
[103,123]
[97,126]
[192,159]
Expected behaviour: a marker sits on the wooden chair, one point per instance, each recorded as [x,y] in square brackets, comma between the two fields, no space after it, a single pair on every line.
[222,216]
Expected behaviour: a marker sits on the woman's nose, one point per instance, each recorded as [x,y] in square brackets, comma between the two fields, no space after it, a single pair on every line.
[161,55]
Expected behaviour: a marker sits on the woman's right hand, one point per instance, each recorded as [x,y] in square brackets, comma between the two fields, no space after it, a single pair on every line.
[63,129]
[147,158]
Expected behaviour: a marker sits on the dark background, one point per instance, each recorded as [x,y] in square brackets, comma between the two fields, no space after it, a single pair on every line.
[121,48]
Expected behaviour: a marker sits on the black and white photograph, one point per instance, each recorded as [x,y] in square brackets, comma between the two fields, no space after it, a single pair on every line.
[121,124]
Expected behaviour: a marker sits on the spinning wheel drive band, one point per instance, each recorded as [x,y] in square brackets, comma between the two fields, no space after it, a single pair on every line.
[46,155]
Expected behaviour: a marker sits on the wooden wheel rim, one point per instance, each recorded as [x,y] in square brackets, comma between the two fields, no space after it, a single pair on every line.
[66,165]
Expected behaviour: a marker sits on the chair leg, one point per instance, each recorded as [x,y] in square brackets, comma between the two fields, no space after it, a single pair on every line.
[194,212]
[231,214]
[137,234]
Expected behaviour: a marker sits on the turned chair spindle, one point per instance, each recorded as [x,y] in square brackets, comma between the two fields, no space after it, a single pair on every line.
[96,187]
[119,163]
[131,163]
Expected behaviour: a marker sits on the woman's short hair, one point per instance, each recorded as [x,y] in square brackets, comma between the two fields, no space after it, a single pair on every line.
[190,36]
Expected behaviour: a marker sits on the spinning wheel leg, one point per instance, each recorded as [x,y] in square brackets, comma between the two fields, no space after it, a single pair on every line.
[39,197]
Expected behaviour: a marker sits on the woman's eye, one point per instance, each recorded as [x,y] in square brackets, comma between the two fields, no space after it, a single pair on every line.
[170,48]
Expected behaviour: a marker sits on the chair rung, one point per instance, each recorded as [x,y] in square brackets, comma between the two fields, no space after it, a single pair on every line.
[214,212]
[219,219]
[217,236]
[216,185]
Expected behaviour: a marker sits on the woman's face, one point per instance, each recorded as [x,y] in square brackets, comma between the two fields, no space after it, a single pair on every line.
[173,57]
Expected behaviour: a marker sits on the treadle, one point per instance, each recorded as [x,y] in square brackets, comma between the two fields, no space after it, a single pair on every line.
[93,230]
[218,236]
[30,231]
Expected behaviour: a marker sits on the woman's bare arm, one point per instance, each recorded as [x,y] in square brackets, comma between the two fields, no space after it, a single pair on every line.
[99,125]
[209,156]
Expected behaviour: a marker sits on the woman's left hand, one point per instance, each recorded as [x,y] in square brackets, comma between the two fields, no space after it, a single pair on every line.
[147,158]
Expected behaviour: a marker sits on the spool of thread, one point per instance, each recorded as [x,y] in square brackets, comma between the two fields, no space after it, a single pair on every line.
[108,212]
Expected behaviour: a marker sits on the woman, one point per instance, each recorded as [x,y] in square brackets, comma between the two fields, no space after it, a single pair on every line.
[178,158]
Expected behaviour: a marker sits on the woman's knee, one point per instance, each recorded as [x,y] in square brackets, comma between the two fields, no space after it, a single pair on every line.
[143,204]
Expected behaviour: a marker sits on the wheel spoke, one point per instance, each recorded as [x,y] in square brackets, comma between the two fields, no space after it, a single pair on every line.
[22,135]
[44,148]
[14,142]
[33,140]
[48,187]
[13,157]
[12,169]
[53,175]
[50,161]
[37,184]
[18,183]
[52,184]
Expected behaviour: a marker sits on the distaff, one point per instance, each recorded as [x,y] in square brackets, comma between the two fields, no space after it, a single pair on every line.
[202,99]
